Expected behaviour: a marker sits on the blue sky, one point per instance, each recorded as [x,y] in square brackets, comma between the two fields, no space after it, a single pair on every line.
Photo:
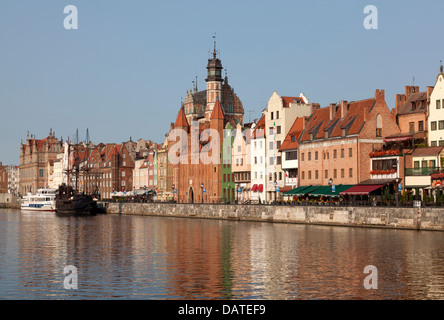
[123,73]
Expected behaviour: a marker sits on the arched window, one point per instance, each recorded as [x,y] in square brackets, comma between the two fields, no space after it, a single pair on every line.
[378,126]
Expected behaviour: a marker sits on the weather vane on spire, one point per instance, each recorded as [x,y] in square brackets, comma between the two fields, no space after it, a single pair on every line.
[215,52]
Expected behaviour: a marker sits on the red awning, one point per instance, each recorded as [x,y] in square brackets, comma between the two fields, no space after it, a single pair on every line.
[254,189]
[361,190]
[286,189]
[395,139]
[260,188]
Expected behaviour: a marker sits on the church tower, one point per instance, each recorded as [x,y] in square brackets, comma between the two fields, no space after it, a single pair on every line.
[214,82]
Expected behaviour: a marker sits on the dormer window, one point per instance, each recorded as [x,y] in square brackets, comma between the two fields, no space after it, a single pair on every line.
[343,132]
[326,134]
[310,136]
[293,138]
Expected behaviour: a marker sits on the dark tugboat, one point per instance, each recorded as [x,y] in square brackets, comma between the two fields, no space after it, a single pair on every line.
[68,199]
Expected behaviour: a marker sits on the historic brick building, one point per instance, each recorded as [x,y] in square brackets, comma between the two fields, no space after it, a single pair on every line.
[338,139]
[36,156]
[200,126]
[411,110]
[3,179]
[110,170]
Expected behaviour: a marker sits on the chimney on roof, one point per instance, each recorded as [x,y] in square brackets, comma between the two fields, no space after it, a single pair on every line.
[429,92]
[400,100]
[332,110]
[314,107]
[410,90]
[344,108]
[305,123]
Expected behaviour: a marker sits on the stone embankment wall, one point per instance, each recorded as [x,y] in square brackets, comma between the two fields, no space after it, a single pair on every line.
[8,200]
[397,218]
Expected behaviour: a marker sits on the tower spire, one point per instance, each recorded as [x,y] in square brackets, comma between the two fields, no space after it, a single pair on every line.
[214,51]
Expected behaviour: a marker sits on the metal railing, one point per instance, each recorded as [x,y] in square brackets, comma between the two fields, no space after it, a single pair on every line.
[426,171]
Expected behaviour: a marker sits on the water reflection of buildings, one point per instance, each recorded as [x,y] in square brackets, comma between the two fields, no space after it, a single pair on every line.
[119,256]
[194,258]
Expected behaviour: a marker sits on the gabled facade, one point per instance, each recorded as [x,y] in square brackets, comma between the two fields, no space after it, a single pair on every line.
[258,161]
[436,113]
[240,161]
[36,155]
[281,114]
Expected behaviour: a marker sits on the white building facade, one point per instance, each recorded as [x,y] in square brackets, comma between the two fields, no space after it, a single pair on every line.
[258,161]
[436,113]
[281,114]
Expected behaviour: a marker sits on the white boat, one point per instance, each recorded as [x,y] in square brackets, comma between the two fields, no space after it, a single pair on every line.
[43,200]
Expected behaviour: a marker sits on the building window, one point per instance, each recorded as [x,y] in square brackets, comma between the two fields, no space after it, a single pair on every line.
[278,144]
[316,174]
[41,173]
[335,173]
[271,131]
[271,115]
[326,174]
[441,143]
[378,126]
[411,127]
[316,155]
[277,114]
[303,175]
[279,160]
[342,173]
[350,152]
[342,153]
[291,155]
[421,126]
[438,104]
[335,154]
[278,130]
[350,173]
[293,138]
[309,175]
[303,156]
[309,156]
[271,161]
[441,125]
[433,125]
[433,144]
[280,176]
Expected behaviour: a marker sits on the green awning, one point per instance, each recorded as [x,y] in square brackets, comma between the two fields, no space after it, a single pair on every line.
[326,191]
[296,190]
[307,190]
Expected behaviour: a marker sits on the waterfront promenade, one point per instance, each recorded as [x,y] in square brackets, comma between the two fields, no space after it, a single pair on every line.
[373,217]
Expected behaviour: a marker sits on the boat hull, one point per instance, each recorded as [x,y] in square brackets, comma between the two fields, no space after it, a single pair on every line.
[38,208]
[78,205]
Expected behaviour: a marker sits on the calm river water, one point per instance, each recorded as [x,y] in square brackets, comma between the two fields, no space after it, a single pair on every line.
[131,257]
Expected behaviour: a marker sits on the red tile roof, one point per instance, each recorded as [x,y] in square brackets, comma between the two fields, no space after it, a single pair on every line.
[429,151]
[217,113]
[181,120]
[287,100]
[295,131]
[352,120]
[259,130]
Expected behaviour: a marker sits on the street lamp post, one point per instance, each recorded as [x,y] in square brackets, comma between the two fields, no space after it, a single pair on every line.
[275,191]
[330,183]
[202,187]
[397,190]
[173,188]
